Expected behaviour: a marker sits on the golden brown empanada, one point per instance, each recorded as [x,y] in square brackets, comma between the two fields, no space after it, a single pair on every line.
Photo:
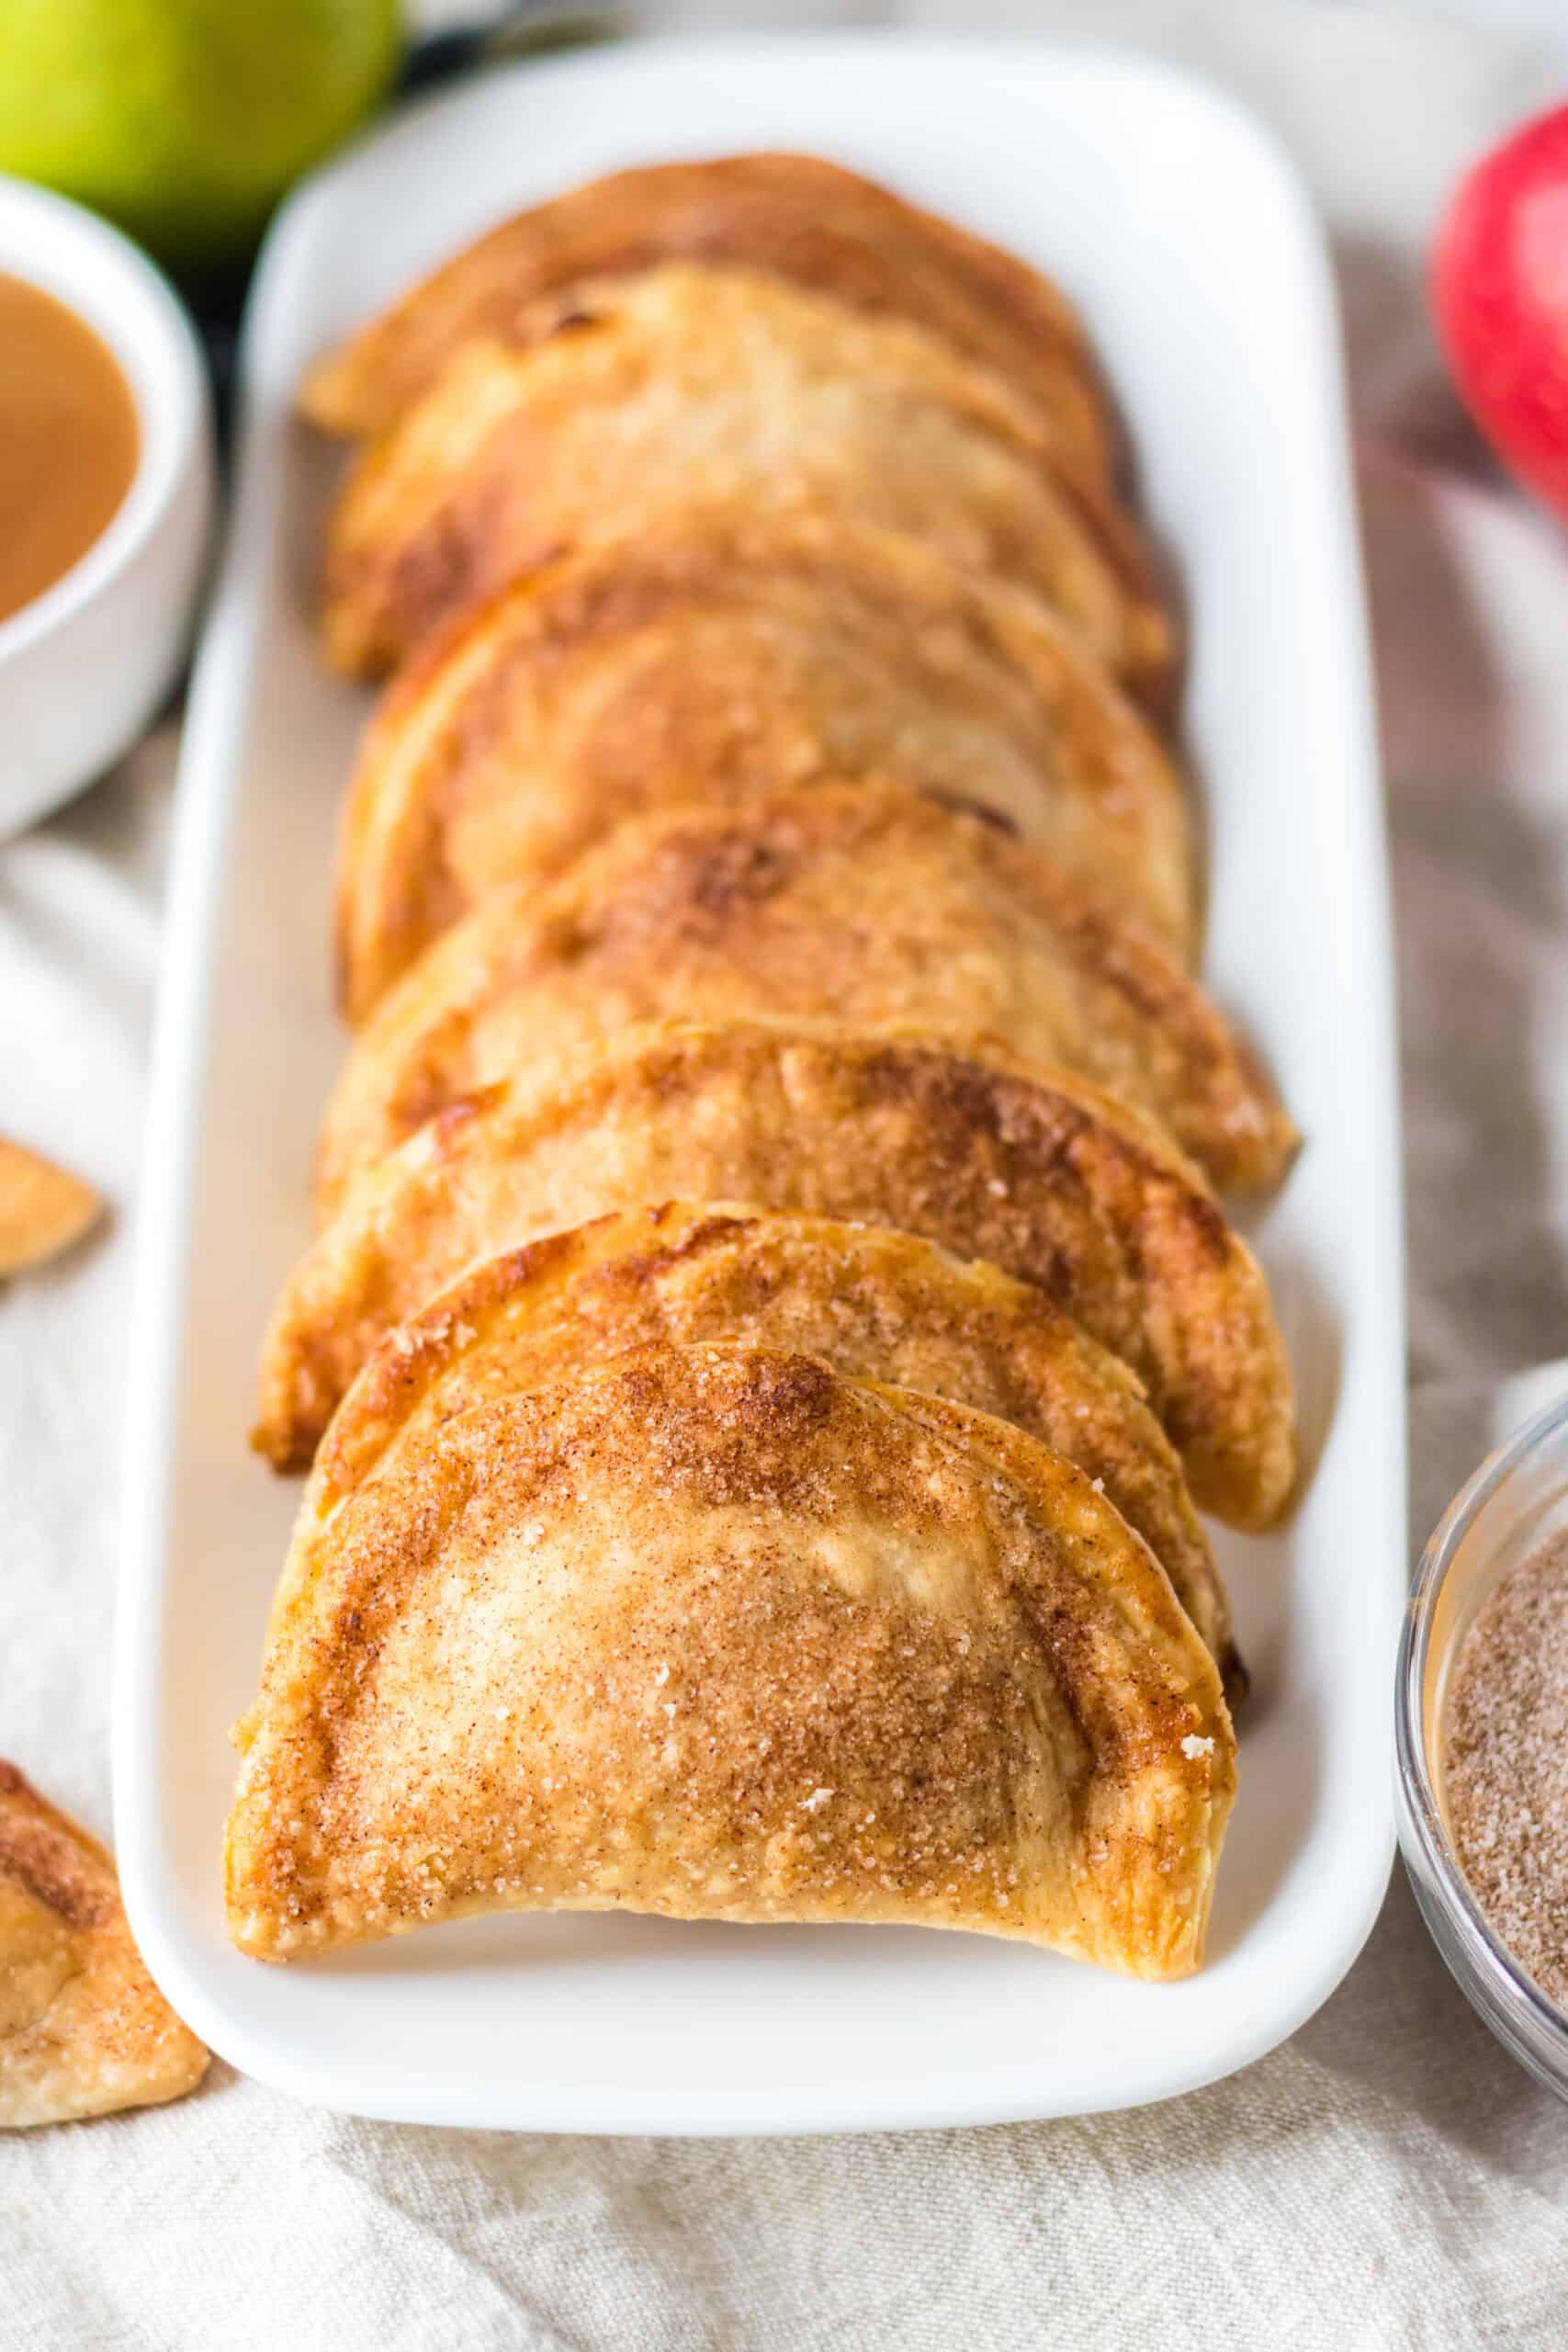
[688,388]
[719,1634]
[876,1304]
[985,1154]
[83,2030]
[708,661]
[868,904]
[43,1209]
[795,216]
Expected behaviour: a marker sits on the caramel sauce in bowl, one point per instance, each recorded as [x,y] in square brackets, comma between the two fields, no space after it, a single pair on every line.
[106,495]
[70,440]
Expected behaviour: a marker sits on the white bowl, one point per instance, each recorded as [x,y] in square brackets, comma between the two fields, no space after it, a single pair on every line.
[84,667]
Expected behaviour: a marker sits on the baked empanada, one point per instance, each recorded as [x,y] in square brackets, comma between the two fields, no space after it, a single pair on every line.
[719,1634]
[795,216]
[43,1209]
[876,1304]
[83,2030]
[868,904]
[691,386]
[987,1155]
[708,661]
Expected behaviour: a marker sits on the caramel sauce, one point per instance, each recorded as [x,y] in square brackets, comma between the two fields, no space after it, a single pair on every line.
[69,440]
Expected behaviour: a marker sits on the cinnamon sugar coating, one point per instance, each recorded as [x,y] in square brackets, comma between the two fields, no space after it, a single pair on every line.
[720,1634]
[717,657]
[861,903]
[83,2030]
[804,220]
[986,1155]
[874,1304]
[686,387]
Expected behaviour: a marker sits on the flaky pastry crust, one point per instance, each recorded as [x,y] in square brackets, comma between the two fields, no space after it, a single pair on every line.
[798,217]
[83,2030]
[714,658]
[43,1209]
[876,1304]
[866,904]
[687,388]
[987,1156]
[719,1634]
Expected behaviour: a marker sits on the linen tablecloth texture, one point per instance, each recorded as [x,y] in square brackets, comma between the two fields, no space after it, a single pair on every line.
[1389,2178]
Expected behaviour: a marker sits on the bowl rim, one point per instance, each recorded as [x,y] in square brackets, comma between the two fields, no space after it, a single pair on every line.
[1502,1977]
[151,338]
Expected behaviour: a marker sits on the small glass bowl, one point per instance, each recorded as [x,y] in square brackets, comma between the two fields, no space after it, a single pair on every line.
[1517,1499]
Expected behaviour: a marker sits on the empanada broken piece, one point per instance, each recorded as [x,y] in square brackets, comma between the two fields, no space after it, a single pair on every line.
[987,1156]
[43,1209]
[83,2030]
[866,904]
[796,216]
[876,1304]
[719,1634]
[707,663]
[691,386]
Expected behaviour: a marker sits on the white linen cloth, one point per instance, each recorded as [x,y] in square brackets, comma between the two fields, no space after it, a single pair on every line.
[1389,2178]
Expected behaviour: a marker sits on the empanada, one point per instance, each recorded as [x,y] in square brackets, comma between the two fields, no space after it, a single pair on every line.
[83,2030]
[709,660]
[874,1304]
[689,387]
[719,1634]
[43,1209]
[993,1158]
[868,904]
[795,216]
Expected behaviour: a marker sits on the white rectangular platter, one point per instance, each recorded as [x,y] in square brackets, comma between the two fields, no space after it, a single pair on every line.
[1188,244]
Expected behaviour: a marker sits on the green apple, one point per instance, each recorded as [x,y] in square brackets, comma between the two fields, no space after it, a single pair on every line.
[184,120]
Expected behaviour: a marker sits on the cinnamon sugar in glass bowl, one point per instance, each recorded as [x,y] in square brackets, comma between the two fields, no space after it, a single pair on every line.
[1515,1503]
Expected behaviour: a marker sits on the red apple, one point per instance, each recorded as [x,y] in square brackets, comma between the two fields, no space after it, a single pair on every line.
[1500,298]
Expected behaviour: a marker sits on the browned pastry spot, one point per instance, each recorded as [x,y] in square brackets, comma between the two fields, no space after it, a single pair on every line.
[719,1634]
[1032,1169]
[707,661]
